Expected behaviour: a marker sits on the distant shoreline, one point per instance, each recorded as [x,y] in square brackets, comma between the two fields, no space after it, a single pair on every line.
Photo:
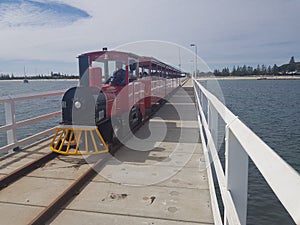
[285,77]
[34,80]
[250,78]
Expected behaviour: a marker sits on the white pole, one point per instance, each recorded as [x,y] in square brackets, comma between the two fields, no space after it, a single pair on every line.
[194,45]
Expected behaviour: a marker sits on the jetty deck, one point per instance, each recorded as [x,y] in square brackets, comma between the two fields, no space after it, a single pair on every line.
[158,177]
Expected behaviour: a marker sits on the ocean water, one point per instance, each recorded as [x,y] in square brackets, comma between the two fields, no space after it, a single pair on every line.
[271,108]
[32,108]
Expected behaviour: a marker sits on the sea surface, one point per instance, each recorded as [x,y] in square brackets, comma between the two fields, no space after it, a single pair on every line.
[33,108]
[271,108]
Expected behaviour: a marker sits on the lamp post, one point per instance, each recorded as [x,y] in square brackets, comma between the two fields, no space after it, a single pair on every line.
[194,45]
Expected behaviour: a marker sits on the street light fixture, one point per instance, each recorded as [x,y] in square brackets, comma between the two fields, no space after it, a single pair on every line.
[194,45]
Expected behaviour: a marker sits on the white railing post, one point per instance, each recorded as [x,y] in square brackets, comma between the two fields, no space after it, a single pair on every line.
[11,125]
[213,123]
[236,175]
[10,119]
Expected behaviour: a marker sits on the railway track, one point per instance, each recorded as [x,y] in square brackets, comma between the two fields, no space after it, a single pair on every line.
[26,183]
[41,169]
[70,192]
[26,169]
[64,193]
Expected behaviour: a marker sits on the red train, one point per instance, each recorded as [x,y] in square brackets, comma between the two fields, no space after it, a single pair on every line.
[117,91]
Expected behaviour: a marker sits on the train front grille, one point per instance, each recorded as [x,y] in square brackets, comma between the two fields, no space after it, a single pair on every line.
[78,140]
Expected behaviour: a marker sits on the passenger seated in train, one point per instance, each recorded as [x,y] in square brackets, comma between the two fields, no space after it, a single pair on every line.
[119,76]
[144,74]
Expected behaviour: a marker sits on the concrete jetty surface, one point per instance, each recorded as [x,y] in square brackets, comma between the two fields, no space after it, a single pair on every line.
[157,177]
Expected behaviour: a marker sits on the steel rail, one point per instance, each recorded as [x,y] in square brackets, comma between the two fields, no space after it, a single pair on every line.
[24,170]
[64,198]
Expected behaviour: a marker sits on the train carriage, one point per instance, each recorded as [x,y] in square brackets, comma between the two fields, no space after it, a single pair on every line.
[117,91]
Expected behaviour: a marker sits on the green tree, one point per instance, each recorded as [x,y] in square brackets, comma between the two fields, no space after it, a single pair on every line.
[263,69]
[244,70]
[292,60]
[250,70]
[225,72]
[217,72]
[233,72]
[275,69]
[292,65]
[269,70]
[258,70]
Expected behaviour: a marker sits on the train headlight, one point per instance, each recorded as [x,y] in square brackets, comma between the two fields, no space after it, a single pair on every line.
[77,105]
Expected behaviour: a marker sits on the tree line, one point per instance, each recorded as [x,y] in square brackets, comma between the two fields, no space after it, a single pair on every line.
[248,71]
[37,77]
[291,68]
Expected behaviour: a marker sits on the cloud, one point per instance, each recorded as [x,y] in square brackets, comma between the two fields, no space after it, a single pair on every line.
[237,31]
[30,13]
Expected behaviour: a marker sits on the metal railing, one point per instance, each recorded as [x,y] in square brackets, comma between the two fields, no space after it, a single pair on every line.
[11,125]
[240,145]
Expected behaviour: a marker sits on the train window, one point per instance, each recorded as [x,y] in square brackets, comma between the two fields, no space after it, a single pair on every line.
[133,69]
[102,66]
[108,67]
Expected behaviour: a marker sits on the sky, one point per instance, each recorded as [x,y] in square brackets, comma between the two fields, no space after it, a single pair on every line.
[43,36]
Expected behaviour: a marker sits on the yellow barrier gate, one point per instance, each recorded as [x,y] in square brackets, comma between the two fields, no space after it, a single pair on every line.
[78,140]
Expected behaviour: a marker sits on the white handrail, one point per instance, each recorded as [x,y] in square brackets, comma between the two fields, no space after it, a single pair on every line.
[240,141]
[23,97]
[211,156]
[12,125]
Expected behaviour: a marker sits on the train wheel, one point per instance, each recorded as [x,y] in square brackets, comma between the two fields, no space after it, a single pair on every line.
[135,117]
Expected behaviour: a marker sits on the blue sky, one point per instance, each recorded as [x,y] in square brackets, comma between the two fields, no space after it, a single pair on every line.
[48,35]
[32,13]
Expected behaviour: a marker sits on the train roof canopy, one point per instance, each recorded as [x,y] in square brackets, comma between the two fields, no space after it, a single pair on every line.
[144,61]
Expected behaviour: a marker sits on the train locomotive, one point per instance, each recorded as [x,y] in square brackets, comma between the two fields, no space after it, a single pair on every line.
[117,90]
